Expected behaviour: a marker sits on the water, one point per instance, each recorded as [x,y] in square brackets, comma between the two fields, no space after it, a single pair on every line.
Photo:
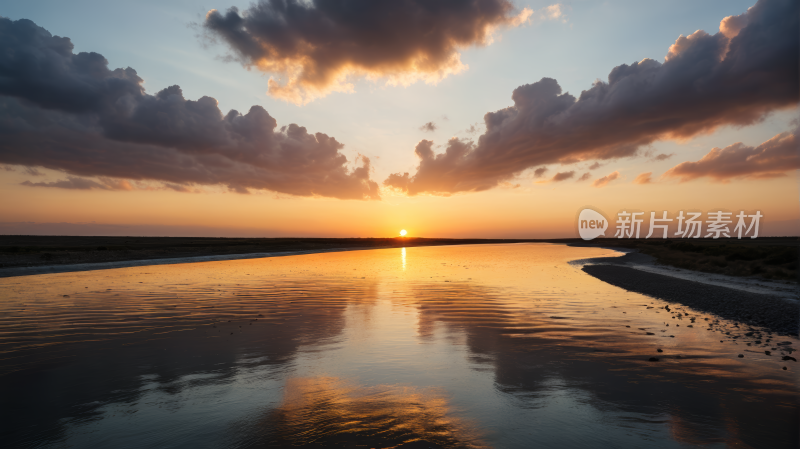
[471,346]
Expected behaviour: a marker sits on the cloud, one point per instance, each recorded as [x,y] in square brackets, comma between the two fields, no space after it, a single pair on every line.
[77,183]
[585,177]
[706,82]
[551,13]
[539,172]
[644,178]
[558,177]
[663,157]
[430,127]
[178,188]
[775,157]
[605,180]
[32,171]
[315,47]
[595,166]
[69,112]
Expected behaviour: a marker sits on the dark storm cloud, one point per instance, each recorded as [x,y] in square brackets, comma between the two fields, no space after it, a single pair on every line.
[69,112]
[313,46]
[775,157]
[32,171]
[734,77]
[430,127]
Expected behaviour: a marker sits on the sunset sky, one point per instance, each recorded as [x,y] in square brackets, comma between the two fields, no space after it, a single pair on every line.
[481,118]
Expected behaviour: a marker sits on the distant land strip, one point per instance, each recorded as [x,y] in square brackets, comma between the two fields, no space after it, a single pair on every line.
[29,255]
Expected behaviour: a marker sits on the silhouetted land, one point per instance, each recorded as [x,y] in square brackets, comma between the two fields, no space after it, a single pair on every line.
[770,257]
[766,257]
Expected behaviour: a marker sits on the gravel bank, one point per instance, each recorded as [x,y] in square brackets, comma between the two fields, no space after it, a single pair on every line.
[755,309]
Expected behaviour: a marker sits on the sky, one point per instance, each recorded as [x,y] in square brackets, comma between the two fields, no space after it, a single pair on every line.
[479,118]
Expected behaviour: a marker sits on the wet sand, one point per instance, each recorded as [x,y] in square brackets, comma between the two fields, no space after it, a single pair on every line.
[754,309]
[773,305]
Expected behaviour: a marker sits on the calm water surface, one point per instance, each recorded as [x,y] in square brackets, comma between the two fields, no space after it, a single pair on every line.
[504,346]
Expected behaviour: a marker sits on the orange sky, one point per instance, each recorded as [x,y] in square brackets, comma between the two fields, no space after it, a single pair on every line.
[531,211]
[471,113]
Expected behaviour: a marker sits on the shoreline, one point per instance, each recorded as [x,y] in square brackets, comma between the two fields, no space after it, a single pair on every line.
[96,266]
[770,305]
[642,262]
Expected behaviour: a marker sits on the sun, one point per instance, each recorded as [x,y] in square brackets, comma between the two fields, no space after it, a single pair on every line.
[403,233]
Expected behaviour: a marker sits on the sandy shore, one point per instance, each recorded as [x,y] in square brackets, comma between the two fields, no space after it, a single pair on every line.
[755,302]
[642,262]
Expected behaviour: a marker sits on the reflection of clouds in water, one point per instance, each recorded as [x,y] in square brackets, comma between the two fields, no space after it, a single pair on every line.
[548,340]
[540,359]
[329,411]
[99,356]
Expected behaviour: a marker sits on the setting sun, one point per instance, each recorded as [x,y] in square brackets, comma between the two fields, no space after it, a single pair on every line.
[403,233]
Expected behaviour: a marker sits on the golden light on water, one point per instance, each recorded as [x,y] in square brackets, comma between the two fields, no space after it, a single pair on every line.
[403,233]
